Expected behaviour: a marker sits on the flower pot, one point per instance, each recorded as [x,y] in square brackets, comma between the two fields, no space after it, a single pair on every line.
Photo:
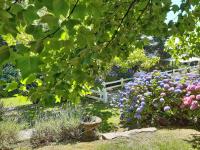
[89,129]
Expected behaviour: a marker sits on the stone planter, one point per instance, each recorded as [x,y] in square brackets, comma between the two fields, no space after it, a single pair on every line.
[89,129]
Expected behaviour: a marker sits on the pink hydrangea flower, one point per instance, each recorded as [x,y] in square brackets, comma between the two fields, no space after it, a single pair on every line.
[191,87]
[194,105]
[197,88]
[198,97]
[162,94]
[187,101]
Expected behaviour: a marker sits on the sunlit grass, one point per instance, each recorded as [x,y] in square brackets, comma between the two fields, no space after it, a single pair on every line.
[176,139]
[15,101]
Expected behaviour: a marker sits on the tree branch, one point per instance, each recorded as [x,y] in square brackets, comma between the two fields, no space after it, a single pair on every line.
[139,17]
[57,29]
[145,8]
[122,20]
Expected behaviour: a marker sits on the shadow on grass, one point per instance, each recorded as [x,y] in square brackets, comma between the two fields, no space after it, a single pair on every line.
[108,114]
[195,141]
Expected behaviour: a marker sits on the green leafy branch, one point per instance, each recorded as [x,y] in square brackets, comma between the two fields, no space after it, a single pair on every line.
[122,20]
[56,30]
[126,14]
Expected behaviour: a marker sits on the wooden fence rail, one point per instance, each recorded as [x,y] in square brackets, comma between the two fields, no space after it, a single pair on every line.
[102,94]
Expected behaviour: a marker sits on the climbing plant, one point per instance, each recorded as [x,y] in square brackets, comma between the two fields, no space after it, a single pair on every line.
[71,41]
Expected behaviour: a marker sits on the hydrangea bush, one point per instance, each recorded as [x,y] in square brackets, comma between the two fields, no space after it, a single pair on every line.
[159,99]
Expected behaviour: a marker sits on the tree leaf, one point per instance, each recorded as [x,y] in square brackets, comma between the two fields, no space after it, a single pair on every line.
[28,65]
[30,14]
[4,53]
[60,7]
[37,46]
[11,86]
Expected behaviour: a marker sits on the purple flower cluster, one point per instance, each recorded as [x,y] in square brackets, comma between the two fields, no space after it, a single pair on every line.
[154,92]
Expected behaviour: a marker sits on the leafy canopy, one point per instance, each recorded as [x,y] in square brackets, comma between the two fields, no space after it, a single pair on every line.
[71,41]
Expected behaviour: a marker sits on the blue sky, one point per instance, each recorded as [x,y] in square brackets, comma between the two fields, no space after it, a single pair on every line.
[171,15]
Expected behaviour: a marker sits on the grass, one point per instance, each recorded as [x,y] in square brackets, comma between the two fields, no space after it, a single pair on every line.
[164,139]
[8,134]
[15,101]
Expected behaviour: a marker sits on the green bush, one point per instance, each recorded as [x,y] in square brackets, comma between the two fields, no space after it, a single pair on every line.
[8,134]
[57,127]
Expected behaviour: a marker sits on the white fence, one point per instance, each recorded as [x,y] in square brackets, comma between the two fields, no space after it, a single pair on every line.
[102,94]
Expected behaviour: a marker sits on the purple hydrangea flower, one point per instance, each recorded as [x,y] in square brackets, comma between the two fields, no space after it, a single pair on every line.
[167,108]
[166,86]
[166,80]
[129,119]
[171,89]
[162,100]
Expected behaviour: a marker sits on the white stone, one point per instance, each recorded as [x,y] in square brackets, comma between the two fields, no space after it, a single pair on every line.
[112,135]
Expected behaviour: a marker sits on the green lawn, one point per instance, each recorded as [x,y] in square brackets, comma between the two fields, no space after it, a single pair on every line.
[176,139]
[15,101]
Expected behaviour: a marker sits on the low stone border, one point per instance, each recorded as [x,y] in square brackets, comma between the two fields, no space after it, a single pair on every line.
[112,135]
[25,135]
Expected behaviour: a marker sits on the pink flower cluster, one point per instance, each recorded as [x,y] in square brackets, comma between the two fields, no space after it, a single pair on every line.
[192,99]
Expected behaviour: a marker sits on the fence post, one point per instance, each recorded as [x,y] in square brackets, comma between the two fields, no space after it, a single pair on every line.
[198,67]
[105,94]
[100,93]
[122,82]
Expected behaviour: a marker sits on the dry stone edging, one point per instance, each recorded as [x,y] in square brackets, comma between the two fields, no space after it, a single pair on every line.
[112,135]
[25,135]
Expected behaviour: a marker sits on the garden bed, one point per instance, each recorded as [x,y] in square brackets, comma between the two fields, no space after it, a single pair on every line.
[175,139]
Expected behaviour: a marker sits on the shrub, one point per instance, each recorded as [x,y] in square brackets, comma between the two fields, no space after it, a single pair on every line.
[159,99]
[8,134]
[45,132]
[57,127]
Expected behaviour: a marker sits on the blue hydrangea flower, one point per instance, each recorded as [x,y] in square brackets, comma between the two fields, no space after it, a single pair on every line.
[121,105]
[162,84]
[177,90]
[139,109]
[143,103]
